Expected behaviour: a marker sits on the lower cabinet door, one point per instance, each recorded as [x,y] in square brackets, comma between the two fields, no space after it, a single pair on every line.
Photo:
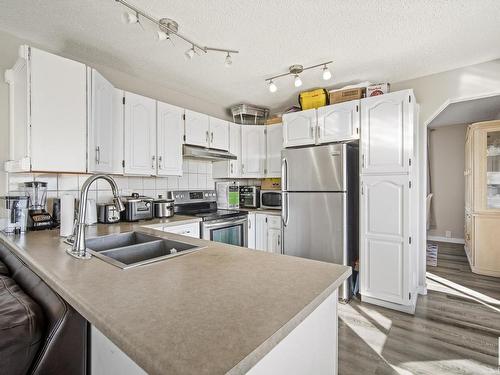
[274,240]
[251,231]
[385,238]
[261,232]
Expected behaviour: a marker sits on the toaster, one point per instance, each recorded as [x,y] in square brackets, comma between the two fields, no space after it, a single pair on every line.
[137,207]
[107,214]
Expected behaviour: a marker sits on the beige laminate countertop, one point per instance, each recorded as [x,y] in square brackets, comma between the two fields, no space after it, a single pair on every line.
[215,311]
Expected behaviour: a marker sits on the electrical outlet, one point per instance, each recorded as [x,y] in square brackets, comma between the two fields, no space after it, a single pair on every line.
[447,233]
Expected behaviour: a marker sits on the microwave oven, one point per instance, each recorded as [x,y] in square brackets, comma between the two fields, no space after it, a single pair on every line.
[249,196]
[270,199]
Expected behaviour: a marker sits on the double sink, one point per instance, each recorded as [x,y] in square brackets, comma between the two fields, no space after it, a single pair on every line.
[133,249]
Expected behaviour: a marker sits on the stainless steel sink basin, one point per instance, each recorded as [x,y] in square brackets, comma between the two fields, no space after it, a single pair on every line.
[132,249]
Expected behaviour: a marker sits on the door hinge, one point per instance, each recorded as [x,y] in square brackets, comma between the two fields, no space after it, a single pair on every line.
[265,131]
[357,130]
[409,184]
[362,189]
[409,296]
[409,240]
[409,98]
[184,116]
[357,108]
[265,170]
[409,162]
[266,219]
[123,101]
[184,137]
[123,163]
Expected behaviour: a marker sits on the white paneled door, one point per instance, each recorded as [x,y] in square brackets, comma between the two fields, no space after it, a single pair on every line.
[140,135]
[385,238]
[338,122]
[274,144]
[253,151]
[299,128]
[219,134]
[170,126]
[386,134]
[197,129]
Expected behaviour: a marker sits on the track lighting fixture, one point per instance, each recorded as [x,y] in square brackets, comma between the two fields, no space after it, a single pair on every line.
[295,70]
[167,29]
[190,53]
[229,61]
[326,73]
[272,86]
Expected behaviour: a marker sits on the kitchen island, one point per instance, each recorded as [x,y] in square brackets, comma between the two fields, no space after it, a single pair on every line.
[220,310]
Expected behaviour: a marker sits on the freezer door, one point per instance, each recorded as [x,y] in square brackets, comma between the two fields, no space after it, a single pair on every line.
[319,168]
[314,226]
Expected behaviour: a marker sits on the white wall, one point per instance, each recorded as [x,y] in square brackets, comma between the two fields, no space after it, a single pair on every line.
[447,154]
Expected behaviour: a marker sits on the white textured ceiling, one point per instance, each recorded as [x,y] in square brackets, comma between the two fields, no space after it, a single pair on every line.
[377,40]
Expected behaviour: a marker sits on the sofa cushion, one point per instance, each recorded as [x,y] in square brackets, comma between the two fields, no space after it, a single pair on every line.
[21,328]
[3,269]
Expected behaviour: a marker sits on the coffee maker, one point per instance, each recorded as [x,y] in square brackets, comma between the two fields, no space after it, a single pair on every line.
[13,209]
[38,217]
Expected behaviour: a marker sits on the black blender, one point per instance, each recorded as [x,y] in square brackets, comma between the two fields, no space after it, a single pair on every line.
[38,217]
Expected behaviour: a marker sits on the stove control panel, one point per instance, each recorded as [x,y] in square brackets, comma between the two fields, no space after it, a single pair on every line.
[194,196]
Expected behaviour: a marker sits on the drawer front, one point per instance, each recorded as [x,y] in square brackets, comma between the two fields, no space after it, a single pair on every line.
[190,230]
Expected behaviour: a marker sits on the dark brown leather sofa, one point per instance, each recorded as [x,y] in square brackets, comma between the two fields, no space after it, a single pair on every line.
[62,345]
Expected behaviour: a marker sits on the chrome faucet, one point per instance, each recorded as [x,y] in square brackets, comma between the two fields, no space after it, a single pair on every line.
[78,249]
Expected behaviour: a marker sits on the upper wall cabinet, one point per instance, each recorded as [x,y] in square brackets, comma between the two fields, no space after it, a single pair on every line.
[338,122]
[299,128]
[170,128]
[196,129]
[230,168]
[48,113]
[253,151]
[274,143]
[105,132]
[139,135]
[386,134]
[219,134]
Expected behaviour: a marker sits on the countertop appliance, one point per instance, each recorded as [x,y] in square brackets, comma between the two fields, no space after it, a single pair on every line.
[164,207]
[228,195]
[137,207]
[38,217]
[108,214]
[250,196]
[320,205]
[14,209]
[270,199]
[226,226]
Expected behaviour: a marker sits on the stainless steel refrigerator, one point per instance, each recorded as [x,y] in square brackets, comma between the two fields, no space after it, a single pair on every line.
[320,204]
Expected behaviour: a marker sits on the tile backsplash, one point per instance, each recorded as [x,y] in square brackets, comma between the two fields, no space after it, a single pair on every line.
[197,174]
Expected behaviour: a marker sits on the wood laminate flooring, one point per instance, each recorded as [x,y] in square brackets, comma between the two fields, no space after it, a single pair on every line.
[455,329]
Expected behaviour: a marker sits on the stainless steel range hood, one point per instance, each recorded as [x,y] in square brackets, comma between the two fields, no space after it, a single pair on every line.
[196,152]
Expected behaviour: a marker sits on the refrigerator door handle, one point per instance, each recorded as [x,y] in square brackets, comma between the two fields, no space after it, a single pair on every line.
[284,174]
[284,211]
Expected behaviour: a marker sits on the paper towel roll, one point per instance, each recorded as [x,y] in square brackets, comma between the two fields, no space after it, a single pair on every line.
[67,215]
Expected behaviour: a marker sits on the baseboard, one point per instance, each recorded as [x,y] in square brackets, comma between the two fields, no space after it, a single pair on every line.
[446,239]
[408,309]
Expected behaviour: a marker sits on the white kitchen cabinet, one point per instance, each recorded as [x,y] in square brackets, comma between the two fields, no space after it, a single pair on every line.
[251,230]
[219,134]
[299,128]
[385,244]
[338,122]
[189,230]
[268,233]
[253,151]
[48,96]
[139,135]
[105,130]
[230,168]
[274,144]
[169,135]
[196,129]
[387,133]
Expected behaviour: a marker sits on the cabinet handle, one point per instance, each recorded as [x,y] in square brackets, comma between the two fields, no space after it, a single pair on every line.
[318,129]
[242,168]
[153,162]
[212,137]
[279,240]
[311,131]
[160,162]
[362,160]
[206,136]
[249,224]
[232,170]
[98,155]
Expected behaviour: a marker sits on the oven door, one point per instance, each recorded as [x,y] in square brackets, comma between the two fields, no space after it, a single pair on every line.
[230,231]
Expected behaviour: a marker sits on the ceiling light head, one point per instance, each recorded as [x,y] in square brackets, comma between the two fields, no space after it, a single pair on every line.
[229,61]
[190,53]
[297,81]
[326,73]
[272,86]
[161,35]
[129,18]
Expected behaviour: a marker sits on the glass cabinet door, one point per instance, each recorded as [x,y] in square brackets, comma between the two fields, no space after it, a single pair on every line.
[493,170]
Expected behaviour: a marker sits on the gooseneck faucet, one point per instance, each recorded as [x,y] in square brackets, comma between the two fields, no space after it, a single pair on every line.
[79,249]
